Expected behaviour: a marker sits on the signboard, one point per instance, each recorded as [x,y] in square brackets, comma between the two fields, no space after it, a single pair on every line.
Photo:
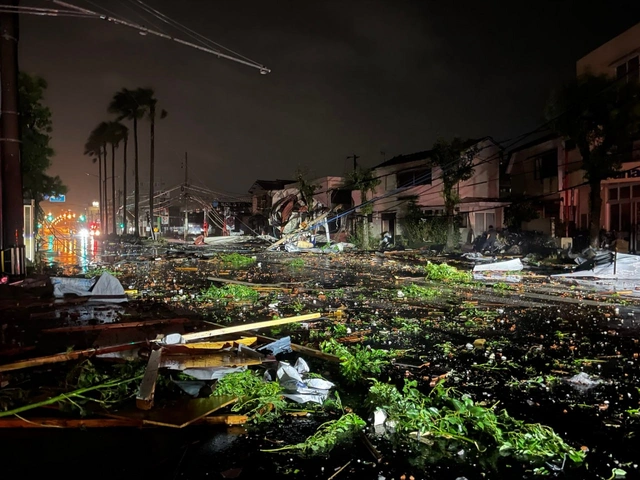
[58,198]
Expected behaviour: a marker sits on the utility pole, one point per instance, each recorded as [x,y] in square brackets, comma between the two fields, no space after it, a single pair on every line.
[152,155]
[186,198]
[355,161]
[123,211]
[12,207]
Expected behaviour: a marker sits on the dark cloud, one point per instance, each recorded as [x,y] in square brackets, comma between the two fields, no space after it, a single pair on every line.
[348,77]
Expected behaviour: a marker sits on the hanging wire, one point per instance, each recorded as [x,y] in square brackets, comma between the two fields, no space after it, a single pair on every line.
[142,29]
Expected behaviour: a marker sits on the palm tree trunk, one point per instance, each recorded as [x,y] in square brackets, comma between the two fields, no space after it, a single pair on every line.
[100,203]
[124,189]
[113,188]
[136,192]
[152,152]
[105,226]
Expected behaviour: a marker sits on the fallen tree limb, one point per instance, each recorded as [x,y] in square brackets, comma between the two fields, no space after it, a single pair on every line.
[67,356]
[66,396]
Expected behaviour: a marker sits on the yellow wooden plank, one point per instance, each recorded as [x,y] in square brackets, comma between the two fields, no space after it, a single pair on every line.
[248,326]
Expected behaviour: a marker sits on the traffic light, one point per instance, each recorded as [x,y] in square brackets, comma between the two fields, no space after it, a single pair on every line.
[82,218]
[50,217]
[122,225]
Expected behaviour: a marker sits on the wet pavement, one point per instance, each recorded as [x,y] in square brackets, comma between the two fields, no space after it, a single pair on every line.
[535,336]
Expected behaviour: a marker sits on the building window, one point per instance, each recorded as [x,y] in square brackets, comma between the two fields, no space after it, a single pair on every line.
[546,165]
[628,70]
[414,177]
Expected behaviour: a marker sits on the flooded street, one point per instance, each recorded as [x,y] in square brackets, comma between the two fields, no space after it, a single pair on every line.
[70,253]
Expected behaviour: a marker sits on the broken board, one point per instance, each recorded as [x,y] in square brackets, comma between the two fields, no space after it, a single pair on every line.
[218,359]
[179,415]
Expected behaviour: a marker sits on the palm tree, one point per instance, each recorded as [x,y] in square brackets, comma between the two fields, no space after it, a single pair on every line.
[127,104]
[147,99]
[96,147]
[125,141]
[115,133]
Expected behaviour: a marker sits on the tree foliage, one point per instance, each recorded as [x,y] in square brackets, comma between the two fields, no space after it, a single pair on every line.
[306,188]
[455,159]
[420,229]
[362,179]
[602,116]
[521,209]
[36,128]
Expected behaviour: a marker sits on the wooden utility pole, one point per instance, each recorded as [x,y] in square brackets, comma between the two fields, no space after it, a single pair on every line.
[355,161]
[186,198]
[11,173]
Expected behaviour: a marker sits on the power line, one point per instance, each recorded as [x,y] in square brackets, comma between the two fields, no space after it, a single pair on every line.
[145,30]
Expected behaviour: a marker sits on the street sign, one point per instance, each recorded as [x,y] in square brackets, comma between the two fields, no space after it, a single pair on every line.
[58,198]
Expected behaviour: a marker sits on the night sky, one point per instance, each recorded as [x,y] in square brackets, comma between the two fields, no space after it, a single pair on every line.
[350,76]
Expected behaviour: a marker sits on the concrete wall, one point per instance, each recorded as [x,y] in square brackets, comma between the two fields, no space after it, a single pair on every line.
[605,58]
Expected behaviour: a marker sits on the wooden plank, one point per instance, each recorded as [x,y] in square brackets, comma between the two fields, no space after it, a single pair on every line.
[180,415]
[69,423]
[218,359]
[113,326]
[52,422]
[144,399]
[8,352]
[202,347]
[67,356]
[248,326]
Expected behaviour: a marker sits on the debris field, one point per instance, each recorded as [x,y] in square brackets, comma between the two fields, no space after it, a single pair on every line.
[234,362]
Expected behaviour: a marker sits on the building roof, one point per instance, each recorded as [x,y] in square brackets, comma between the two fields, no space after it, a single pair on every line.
[270,184]
[426,154]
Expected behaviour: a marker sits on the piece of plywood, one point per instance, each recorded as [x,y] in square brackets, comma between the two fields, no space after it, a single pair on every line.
[179,415]
[189,337]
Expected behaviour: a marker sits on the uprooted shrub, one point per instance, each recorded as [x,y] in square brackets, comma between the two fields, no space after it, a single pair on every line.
[358,362]
[327,436]
[446,422]
[261,401]
[229,293]
[446,273]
